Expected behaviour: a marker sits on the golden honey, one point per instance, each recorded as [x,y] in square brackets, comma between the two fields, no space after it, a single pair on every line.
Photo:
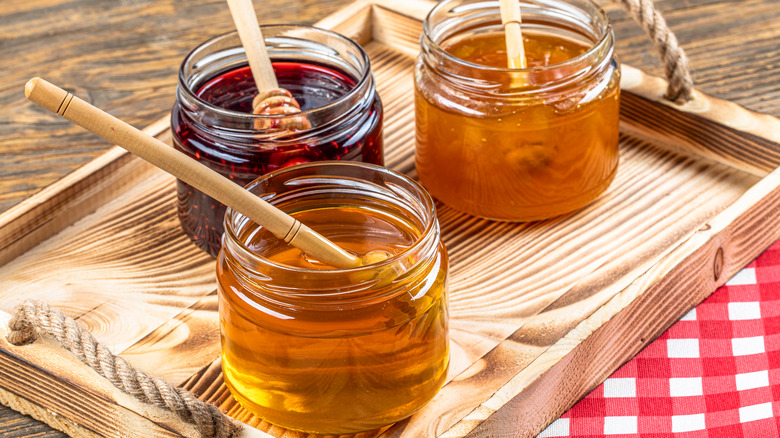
[516,145]
[322,350]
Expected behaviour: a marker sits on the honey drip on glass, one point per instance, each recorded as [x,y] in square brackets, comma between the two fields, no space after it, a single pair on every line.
[526,160]
[341,362]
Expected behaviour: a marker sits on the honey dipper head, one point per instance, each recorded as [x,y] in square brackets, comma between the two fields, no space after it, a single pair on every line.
[375,256]
[380,275]
[279,101]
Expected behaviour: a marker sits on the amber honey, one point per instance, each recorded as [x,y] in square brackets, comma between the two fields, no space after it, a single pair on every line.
[321,350]
[515,145]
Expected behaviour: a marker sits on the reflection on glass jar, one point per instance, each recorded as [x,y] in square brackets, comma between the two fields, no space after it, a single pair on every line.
[522,144]
[325,350]
[212,120]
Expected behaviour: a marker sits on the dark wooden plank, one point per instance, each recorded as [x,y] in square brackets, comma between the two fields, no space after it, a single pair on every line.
[732,45]
[120,56]
[16,425]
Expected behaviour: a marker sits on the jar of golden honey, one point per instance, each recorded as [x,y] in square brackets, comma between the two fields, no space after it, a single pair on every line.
[323,350]
[328,74]
[517,144]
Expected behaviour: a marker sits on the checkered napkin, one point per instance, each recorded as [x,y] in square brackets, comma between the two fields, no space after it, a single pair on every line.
[715,373]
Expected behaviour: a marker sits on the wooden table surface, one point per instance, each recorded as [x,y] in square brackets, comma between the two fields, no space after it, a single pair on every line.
[123,57]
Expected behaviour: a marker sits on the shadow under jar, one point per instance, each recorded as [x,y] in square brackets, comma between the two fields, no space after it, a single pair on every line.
[517,144]
[212,121]
[323,350]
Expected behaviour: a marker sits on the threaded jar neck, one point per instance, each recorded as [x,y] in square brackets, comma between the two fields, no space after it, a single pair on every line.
[285,43]
[581,21]
[323,185]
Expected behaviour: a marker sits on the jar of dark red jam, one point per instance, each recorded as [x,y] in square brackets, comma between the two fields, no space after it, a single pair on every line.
[212,121]
[335,351]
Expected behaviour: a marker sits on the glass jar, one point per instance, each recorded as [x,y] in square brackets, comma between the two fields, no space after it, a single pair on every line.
[212,120]
[517,144]
[335,351]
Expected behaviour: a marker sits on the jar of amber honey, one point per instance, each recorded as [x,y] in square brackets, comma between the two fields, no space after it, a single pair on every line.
[323,350]
[517,144]
[212,121]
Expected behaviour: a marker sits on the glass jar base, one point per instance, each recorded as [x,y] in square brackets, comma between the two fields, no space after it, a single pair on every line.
[319,426]
[530,213]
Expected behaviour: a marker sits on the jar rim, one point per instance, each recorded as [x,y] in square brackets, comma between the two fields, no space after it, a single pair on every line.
[421,240]
[359,83]
[606,33]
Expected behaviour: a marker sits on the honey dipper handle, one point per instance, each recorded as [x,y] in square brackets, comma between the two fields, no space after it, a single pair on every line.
[511,20]
[188,170]
[252,39]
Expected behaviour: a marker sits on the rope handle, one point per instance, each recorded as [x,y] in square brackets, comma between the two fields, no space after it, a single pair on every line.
[680,88]
[32,319]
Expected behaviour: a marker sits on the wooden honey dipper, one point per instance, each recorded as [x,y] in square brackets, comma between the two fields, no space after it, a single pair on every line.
[270,98]
[279,223]
[511,20]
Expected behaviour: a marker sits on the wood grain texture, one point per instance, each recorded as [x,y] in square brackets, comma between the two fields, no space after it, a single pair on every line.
[705,261]
[67,394]
[22,406]
[72,390]
[120,56]
[699,18]
[712,128]
[152,273]
[180,348]
[18,425]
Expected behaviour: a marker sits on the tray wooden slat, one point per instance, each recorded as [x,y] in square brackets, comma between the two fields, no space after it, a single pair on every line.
[540,312]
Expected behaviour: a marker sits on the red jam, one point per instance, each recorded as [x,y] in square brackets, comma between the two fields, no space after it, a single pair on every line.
[313,86]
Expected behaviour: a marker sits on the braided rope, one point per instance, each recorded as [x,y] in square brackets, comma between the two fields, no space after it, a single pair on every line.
[680,89]
[34,318]
[26,407]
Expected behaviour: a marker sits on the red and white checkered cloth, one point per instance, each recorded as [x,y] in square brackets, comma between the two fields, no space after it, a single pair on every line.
[715,373]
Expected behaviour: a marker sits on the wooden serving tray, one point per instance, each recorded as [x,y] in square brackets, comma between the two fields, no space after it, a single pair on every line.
[541,312]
